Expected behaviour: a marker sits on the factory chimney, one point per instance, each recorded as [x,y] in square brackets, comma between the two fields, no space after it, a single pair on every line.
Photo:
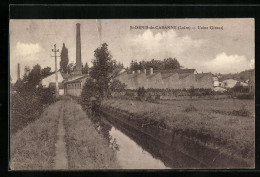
[78,50]
[18,71]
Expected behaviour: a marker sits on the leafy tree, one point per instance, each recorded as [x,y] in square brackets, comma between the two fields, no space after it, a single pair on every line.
[85,69]
[27,70]
[70,67]
[116,85]
[102,67]
[46,71]
[171,63]
[90,89]
[64,59]
[238,88]
[34,76]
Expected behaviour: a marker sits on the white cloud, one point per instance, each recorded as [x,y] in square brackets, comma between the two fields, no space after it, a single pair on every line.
[161,45]
[27,49]
[27,54]
[224,63]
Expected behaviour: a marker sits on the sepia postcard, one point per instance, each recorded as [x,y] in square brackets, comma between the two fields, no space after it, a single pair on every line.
[88,94]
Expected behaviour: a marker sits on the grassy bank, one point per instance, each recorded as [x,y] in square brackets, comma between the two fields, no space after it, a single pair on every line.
[33,147]
[86,148]
[220,124]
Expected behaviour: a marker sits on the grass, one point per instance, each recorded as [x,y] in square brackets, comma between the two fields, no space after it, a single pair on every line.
[33,147]
[86,148]
[190,108]
[234,132]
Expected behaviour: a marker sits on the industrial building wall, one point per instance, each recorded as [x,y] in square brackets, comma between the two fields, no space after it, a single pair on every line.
[187,82]
[205,82]
[52,78]
[74,92]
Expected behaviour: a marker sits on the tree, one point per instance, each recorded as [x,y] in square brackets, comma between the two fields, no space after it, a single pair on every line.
[238,87]
[64,59]
[171,63]
[45,71]
[102,67]
[27,70]
[90,89]
[70,67]
[116,85]
[34,76]
[166,64]
[27,86]
[85,69]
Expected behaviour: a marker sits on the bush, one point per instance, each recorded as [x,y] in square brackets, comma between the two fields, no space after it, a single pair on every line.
[190,108]
[141,93]
[243,111]
[46,95]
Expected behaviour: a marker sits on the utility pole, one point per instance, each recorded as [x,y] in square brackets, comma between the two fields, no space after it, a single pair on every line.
[56,73]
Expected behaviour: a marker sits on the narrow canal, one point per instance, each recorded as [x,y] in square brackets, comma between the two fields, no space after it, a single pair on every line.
[132,156]
[136,150]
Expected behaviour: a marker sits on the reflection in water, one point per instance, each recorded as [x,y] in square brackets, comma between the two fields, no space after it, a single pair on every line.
[136,150]
[131,155]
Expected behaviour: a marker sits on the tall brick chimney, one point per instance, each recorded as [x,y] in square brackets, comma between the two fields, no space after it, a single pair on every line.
[18,71]
[78,49]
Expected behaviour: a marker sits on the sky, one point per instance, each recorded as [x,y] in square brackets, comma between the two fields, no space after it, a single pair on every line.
[228,49]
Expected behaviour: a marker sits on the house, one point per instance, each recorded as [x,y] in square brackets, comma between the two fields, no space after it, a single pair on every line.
[229,83]
[243,84]
[50,81]
[216,81]
[219,89]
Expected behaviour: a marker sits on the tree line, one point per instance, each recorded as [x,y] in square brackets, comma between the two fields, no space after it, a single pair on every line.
[165,64]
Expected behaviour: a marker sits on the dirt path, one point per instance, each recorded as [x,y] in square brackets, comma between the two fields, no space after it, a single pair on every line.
[61,160]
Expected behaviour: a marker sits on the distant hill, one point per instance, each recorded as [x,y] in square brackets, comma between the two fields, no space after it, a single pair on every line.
[242,76]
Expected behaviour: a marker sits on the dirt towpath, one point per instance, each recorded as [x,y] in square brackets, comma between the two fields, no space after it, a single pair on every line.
[61,160]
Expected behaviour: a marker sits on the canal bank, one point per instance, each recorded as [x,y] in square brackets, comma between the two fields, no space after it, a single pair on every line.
[178,149]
